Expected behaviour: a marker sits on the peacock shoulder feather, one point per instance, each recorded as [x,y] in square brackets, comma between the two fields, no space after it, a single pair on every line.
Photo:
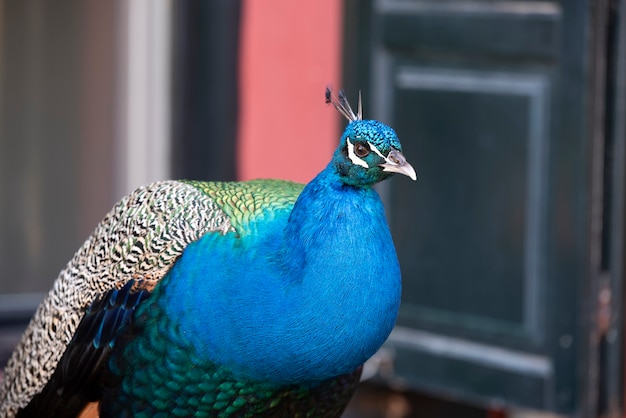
[255,200]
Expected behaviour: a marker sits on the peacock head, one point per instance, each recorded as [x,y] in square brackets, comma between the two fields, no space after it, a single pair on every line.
[369,151]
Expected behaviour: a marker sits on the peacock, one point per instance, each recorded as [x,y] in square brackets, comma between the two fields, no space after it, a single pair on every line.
[229,299]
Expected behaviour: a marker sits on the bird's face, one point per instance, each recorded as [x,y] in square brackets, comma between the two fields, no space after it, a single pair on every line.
[370,152]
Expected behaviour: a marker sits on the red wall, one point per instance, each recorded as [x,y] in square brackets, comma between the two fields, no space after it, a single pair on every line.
[290,51]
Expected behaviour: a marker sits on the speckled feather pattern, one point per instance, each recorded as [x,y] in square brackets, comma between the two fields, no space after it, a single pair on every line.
[141,237]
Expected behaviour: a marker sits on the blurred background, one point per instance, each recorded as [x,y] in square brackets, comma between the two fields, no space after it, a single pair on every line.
[513,113]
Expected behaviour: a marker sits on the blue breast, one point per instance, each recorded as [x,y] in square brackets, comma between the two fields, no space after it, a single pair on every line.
[304,299]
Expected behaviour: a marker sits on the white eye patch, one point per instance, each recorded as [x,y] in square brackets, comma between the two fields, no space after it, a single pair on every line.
[353,157]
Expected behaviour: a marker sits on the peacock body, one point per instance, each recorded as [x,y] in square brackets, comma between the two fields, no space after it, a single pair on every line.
[259,298]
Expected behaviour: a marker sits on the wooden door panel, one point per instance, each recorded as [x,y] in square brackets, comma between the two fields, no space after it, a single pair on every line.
[489,99]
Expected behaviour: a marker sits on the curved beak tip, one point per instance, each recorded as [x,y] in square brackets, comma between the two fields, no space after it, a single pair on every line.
[410,172]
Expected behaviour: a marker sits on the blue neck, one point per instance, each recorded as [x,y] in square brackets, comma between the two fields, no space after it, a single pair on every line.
[320,310]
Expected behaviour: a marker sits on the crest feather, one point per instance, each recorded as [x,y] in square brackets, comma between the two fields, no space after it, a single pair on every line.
[343,106]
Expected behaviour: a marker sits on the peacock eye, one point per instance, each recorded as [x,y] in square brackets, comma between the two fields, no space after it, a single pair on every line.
[361,150]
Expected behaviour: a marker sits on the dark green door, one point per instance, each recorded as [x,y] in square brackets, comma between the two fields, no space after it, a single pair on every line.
[502,108]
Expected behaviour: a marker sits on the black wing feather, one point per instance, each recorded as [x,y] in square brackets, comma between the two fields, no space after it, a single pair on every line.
[77,379]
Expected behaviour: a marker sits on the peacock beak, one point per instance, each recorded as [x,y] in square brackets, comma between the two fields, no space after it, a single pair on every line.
[396,163]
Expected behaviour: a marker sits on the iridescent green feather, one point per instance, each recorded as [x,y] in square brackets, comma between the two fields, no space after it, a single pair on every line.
[251,200]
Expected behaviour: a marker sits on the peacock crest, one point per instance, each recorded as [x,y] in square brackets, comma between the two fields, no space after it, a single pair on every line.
[343,106]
